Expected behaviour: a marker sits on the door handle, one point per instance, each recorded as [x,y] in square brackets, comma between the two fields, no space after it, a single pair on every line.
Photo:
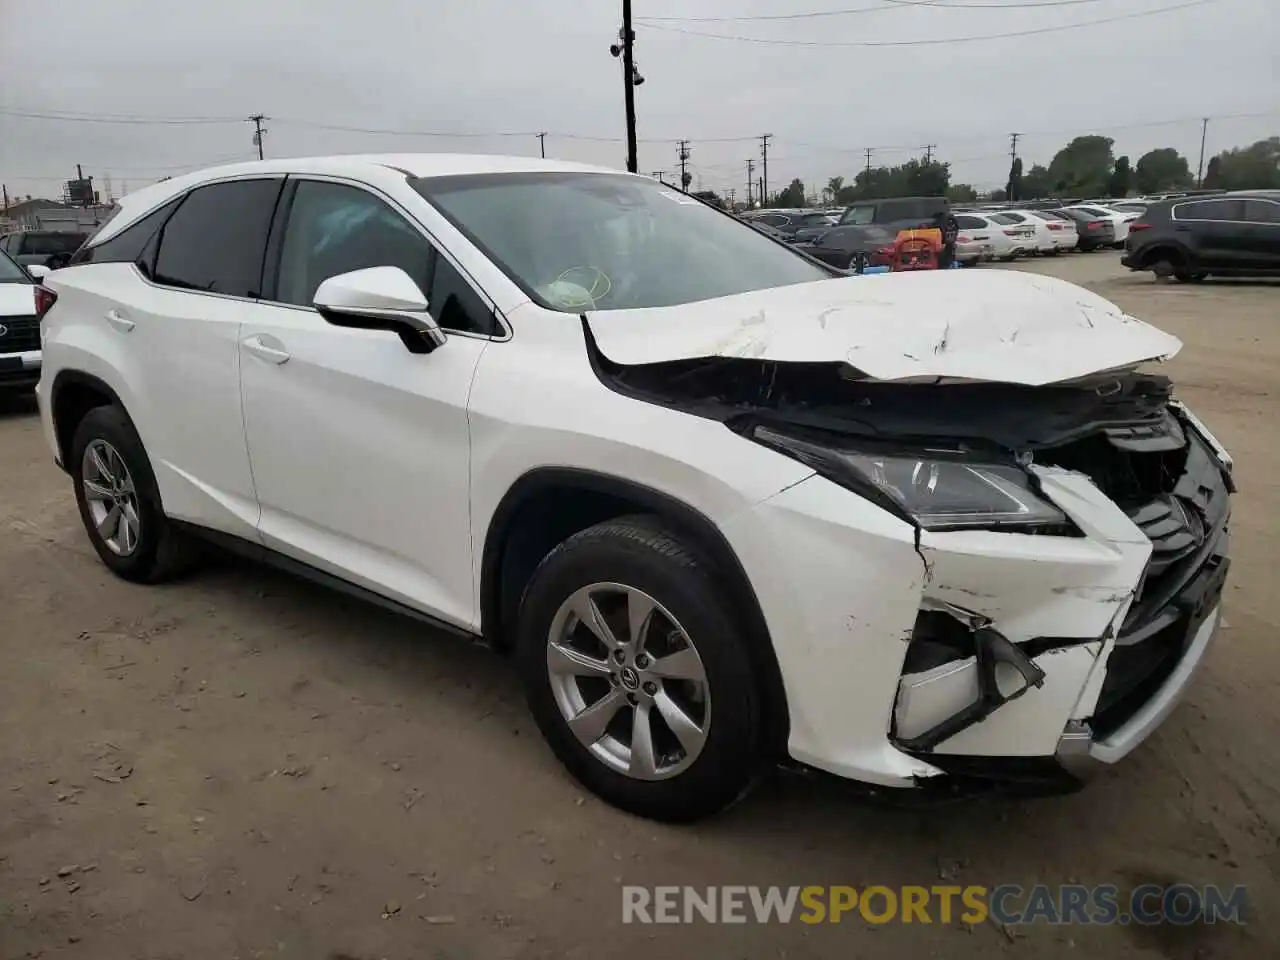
[119,321]
[260,348]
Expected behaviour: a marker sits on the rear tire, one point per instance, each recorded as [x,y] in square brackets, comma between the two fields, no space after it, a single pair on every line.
[620,566]
[119,501]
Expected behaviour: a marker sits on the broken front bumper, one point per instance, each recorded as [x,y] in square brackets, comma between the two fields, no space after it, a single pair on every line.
[1108,636]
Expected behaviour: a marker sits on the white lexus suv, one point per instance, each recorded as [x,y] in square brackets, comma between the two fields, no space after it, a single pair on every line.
[725,506]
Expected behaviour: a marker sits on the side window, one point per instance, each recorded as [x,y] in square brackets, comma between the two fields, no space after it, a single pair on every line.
[127,245]
[454,303]
[970,223]
[1262,211]
[1210,210]
[217,239]
[334,228]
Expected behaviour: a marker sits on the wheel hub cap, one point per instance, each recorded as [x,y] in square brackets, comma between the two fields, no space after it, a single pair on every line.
[628,681]
[111,498]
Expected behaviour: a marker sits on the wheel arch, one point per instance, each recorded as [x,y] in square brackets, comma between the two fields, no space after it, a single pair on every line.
[547,505]
[1166,249]
[73,395]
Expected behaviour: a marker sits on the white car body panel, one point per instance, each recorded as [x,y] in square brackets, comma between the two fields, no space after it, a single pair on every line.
[339,448]
[17,300]
[1001,327]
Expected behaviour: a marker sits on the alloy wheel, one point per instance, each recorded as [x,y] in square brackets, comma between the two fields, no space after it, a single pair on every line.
[111,497]
[628,681]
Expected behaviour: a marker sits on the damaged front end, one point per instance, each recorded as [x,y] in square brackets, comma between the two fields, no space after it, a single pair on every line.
[1073,538]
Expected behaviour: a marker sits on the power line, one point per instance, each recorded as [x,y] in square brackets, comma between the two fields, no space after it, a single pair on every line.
[887,5]
[108,118]
[922,43]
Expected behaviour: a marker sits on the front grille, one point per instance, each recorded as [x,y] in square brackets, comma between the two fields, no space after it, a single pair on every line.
[21,334]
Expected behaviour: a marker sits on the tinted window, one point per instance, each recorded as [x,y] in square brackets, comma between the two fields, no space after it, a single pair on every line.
[216,239]
[1013,218]
[127,245]
[1262,211]
[1005,218]
[455,304]
[334,229]
[859,216]
[10,272]
[970,223]
[774,219]
[1093,211]
[43,244]
[1208,210]
[575,241]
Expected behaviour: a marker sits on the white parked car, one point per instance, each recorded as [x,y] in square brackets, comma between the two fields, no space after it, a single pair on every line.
[22,304]
[1054,232]
[1006,237]
[1118,219]
[724,506]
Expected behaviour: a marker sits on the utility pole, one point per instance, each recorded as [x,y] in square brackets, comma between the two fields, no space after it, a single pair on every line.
[625,48]
[542,144]
[4,187]
[751,169]
[658,175]
[257,119]
[868,152]
[1013,158]
[764,165]
[682,153]
[928,152]
[1204,130]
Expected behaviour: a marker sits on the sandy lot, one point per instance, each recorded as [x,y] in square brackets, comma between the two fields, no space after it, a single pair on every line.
[243,765]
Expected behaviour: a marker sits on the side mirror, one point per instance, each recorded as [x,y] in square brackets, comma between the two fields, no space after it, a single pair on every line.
[38,271]
[380,298]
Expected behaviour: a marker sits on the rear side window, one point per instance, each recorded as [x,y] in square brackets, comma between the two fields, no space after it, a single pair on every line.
[1262,211]
[217,238]
[1005,218]
[1209,210]
[127,245]
[970,223]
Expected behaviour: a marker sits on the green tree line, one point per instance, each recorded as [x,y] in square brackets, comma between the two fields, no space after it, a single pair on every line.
[1085,167]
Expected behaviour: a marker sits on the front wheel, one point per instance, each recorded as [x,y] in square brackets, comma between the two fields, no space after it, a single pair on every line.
[634,667]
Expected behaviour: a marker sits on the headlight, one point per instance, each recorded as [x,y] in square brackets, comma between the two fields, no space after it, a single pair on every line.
[939,491]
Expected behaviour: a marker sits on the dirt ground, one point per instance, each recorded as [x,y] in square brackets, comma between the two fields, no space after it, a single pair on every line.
[242,765]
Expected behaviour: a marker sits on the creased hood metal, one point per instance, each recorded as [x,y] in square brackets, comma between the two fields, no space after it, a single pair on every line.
[996,326]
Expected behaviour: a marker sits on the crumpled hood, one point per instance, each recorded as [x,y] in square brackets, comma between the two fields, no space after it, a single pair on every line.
[1000,326]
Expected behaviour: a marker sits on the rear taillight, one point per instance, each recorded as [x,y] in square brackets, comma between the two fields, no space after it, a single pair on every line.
[962,238]
[45,299]
[1010,232]
[1054,226]
[1094,225]
[886,251]
[1138,225]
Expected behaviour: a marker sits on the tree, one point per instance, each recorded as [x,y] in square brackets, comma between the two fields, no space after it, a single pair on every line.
[1035,183]
[1255,167]
[1083,166]
[709,196]
[1118,185]
[793,196]
[1014,188]
[961,193]
[686,178]
[832,190]
[1162,169]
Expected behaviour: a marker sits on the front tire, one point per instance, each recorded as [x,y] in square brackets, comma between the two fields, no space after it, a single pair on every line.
[119,501]
[635,668]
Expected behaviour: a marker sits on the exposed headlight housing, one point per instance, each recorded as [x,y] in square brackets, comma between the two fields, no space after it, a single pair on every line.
[939,490]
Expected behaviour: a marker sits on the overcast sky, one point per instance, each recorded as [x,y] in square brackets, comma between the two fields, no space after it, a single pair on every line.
[519,66]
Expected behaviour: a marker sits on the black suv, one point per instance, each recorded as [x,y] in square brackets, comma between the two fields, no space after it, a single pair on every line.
[843,243]
[42,248]
[1234,234]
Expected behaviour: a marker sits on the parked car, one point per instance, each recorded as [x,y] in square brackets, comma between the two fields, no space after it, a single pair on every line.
[1119,219]
[1053,232]
[903,213]
[850,248]
[22,303]
[1129,206]
[1236,234]
[1092,233]
[44,248]
[977,228]
[723,505]
[810,226]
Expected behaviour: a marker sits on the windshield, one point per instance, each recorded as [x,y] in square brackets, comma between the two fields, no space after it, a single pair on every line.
[43,244]
[10,272]
[598,241]
[858,216]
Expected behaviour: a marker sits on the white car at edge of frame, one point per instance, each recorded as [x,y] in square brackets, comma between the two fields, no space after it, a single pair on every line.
[724,507]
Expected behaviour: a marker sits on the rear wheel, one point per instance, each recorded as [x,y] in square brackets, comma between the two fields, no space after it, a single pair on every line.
[119,501]
[635,670]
